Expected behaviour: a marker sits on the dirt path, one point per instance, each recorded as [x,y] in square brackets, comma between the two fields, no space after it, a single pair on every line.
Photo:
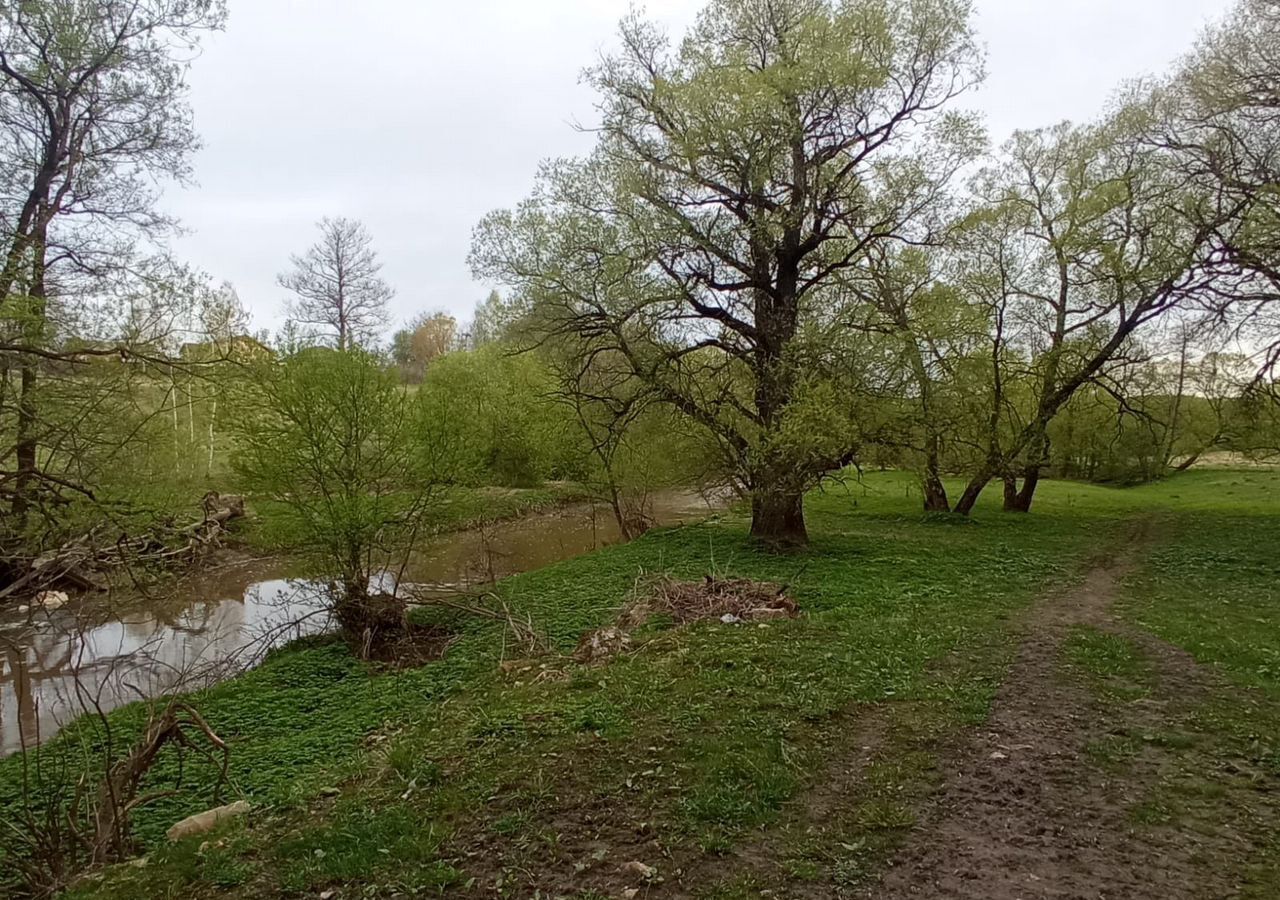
[1024,813]
[1026,806]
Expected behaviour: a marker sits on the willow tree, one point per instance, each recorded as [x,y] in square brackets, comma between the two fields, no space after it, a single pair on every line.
[735,177]
[1084,236]
[909,319]
[1222,122]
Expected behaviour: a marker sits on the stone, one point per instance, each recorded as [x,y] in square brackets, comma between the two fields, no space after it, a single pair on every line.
[639,870]
[202,823]
[602,645]
[52,599]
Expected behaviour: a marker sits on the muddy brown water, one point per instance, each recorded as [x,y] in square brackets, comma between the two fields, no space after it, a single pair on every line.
[99,653]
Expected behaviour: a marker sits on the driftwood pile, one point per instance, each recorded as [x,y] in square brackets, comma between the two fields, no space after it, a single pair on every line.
[86,562]
[728,600]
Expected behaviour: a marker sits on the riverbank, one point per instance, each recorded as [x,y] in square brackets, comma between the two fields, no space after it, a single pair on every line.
[105,651]
[796,756]
[459,508]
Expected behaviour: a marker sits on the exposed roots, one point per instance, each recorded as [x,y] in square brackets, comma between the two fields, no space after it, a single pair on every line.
[412,646]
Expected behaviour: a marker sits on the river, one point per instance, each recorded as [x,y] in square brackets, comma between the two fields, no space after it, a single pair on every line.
[104,652]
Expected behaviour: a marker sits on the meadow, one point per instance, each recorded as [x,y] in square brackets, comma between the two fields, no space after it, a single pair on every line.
[798,756]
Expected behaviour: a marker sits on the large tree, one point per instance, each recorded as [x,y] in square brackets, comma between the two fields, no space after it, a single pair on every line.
[1083,236]
[734,179]
[93,116]
[338,285]
[1222,120]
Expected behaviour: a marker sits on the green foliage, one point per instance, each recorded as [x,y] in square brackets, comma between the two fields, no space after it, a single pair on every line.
[422,341]
[709,732]
[738,175]
[353,464]
[499,413]
[728,723]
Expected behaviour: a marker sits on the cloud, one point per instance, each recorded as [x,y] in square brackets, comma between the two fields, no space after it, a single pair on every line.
[419,117]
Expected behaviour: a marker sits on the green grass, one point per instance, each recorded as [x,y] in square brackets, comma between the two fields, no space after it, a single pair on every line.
[1114,666]
[705,737]
[1213,588]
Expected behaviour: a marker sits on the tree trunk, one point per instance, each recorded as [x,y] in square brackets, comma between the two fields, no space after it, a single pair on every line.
[777,518]
[26,448]
[973,490]
[26,455]
[1188,462]
[213,417]
[1020,500]
[1010,492]
[369,620]
[619,513]
[935,495]
[935,492]
[1171,437]
[1016,500]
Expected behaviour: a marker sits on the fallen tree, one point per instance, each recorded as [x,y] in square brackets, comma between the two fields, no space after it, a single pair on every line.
[89,561]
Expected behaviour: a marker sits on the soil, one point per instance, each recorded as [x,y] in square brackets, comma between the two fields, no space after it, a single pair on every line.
[1023,813]
[412,647]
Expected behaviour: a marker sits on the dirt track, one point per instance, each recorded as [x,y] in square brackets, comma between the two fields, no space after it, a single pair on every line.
[1023,813]
[1023,807]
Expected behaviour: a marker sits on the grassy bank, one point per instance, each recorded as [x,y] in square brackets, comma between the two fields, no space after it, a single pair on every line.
[464,777]
[458,508]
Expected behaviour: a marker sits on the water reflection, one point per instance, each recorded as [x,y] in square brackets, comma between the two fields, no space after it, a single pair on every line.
[56,665]
[62,663]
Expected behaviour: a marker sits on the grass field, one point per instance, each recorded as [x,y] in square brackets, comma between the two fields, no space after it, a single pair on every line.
[803,757]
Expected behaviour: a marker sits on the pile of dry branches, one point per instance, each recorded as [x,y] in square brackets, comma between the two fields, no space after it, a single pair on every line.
[86,562]
[729,600]
[711,598]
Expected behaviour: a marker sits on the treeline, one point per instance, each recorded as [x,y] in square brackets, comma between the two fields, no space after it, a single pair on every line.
[791,232]
[791,251]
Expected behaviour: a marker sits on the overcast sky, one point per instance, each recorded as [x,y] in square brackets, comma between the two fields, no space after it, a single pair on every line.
[419,116]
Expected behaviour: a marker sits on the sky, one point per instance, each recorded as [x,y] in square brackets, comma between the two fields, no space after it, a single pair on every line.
[419,116]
